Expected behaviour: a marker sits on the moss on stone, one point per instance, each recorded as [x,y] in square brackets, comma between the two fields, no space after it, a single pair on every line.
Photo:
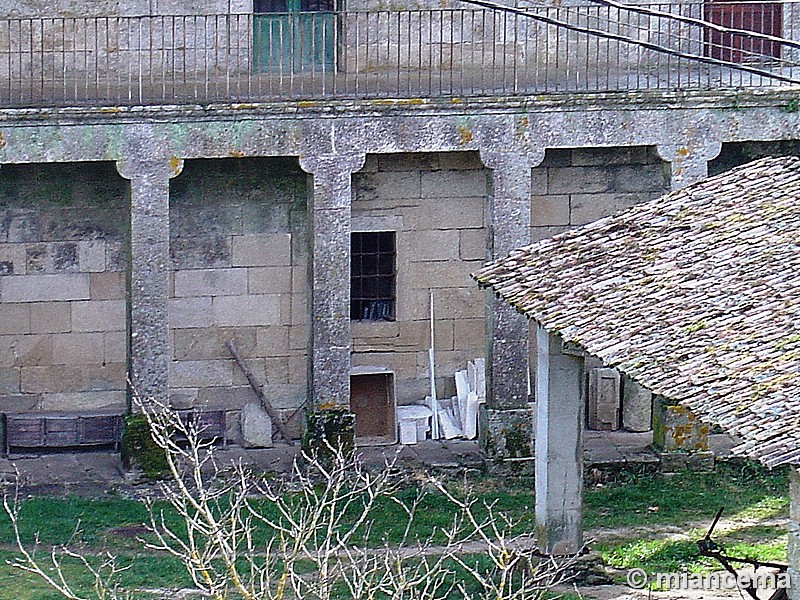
[328,432]
[139,450]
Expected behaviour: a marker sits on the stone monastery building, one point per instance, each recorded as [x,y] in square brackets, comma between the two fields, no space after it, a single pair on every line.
[300,176]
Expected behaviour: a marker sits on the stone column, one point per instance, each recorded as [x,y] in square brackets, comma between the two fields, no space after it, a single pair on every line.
[559,446]
[689,161]
[794,534]
[506,420]
[149,273]
[329,218]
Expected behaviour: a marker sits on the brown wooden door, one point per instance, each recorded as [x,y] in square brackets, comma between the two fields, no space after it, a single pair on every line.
[763,17]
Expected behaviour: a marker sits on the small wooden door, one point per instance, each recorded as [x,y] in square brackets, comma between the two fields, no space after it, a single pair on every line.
[372,402]
[293,36]
[763,17]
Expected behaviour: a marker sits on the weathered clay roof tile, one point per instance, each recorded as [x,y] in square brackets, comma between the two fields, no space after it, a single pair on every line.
[695,295]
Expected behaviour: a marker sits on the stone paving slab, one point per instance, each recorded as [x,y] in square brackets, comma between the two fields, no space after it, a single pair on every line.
[97,473]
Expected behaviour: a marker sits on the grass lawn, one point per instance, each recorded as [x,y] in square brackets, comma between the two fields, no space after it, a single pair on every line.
[646,521]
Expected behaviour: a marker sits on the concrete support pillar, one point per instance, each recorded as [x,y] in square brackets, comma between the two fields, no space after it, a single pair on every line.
[559,446]
[507,422]
[794,534]
[149,272]
[329,218]
[689,161]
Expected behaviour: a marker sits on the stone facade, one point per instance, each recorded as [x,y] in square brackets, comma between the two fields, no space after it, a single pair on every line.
[63,343]
[238,272]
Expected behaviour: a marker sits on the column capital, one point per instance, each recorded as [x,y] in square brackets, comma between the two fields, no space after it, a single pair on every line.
[345,162]
[689,160]
[676,151]
[496,159]
[132,168]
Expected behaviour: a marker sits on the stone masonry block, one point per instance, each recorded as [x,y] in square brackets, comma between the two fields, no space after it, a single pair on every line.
[9,380]
[99,315]
[272,340]
[550,210]
[540,233]
[445,274]
[642,178]
[432,245]
[92,256]
[472,244]
[66,378]
[387,186]
[447,213]
[26,350]
[78,349]
[448,184]
[269,280]
[211,282]
[460,161]
[539,181]
[201,373]
[201,252]
[603,157]
[13,255]
[299,337]
[189,312]
[233,397]
[115,347]
[567,180]
[112,401]
[51,317]
[246,310]
[107,286]
[15,318]
[18,403]
[408,161]
[585,208]
[42,288]
[470,334]
[209,343]
[259,250]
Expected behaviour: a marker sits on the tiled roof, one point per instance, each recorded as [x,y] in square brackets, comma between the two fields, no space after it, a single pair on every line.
[695,295]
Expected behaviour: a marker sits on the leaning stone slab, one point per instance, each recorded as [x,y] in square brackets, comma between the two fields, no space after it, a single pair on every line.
[256,426]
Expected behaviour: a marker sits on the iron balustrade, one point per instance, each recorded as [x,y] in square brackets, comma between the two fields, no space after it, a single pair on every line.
[398,54]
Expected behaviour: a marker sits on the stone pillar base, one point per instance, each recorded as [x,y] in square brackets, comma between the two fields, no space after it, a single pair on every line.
[329,432]
[677,429]
[672,462]
[506,433]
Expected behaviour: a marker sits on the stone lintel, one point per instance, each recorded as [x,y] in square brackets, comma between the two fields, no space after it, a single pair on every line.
[329,214]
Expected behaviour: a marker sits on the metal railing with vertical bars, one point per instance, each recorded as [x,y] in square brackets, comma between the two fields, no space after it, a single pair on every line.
[480,51]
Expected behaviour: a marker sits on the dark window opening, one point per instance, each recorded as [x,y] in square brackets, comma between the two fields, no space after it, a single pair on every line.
[372,276]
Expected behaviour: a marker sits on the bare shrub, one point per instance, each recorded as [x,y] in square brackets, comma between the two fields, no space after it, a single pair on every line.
[313,534]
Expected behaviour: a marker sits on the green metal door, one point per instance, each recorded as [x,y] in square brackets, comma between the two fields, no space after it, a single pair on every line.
[293,36]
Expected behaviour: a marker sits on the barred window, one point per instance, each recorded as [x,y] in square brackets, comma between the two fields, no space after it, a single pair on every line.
[372,276]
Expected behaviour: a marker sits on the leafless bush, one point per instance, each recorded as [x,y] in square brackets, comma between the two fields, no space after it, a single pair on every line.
[310,535]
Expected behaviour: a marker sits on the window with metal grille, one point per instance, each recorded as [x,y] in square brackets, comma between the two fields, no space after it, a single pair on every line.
[372,276]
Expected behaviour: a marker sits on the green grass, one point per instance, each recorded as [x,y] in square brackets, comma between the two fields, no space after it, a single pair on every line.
[637,506]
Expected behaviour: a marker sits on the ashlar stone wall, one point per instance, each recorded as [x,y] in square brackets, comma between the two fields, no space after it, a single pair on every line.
[63,344]
[436,205]
[239,271]
[577,186]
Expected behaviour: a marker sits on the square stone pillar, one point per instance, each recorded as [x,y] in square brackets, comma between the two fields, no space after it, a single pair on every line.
[506,420]
[149,274]
[559,446]
[689,161]
[793,552]
[329,219]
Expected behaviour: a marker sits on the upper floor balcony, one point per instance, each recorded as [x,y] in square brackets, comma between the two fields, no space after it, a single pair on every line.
[317,53]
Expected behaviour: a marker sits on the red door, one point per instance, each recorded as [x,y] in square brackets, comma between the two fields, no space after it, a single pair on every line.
[763,17]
